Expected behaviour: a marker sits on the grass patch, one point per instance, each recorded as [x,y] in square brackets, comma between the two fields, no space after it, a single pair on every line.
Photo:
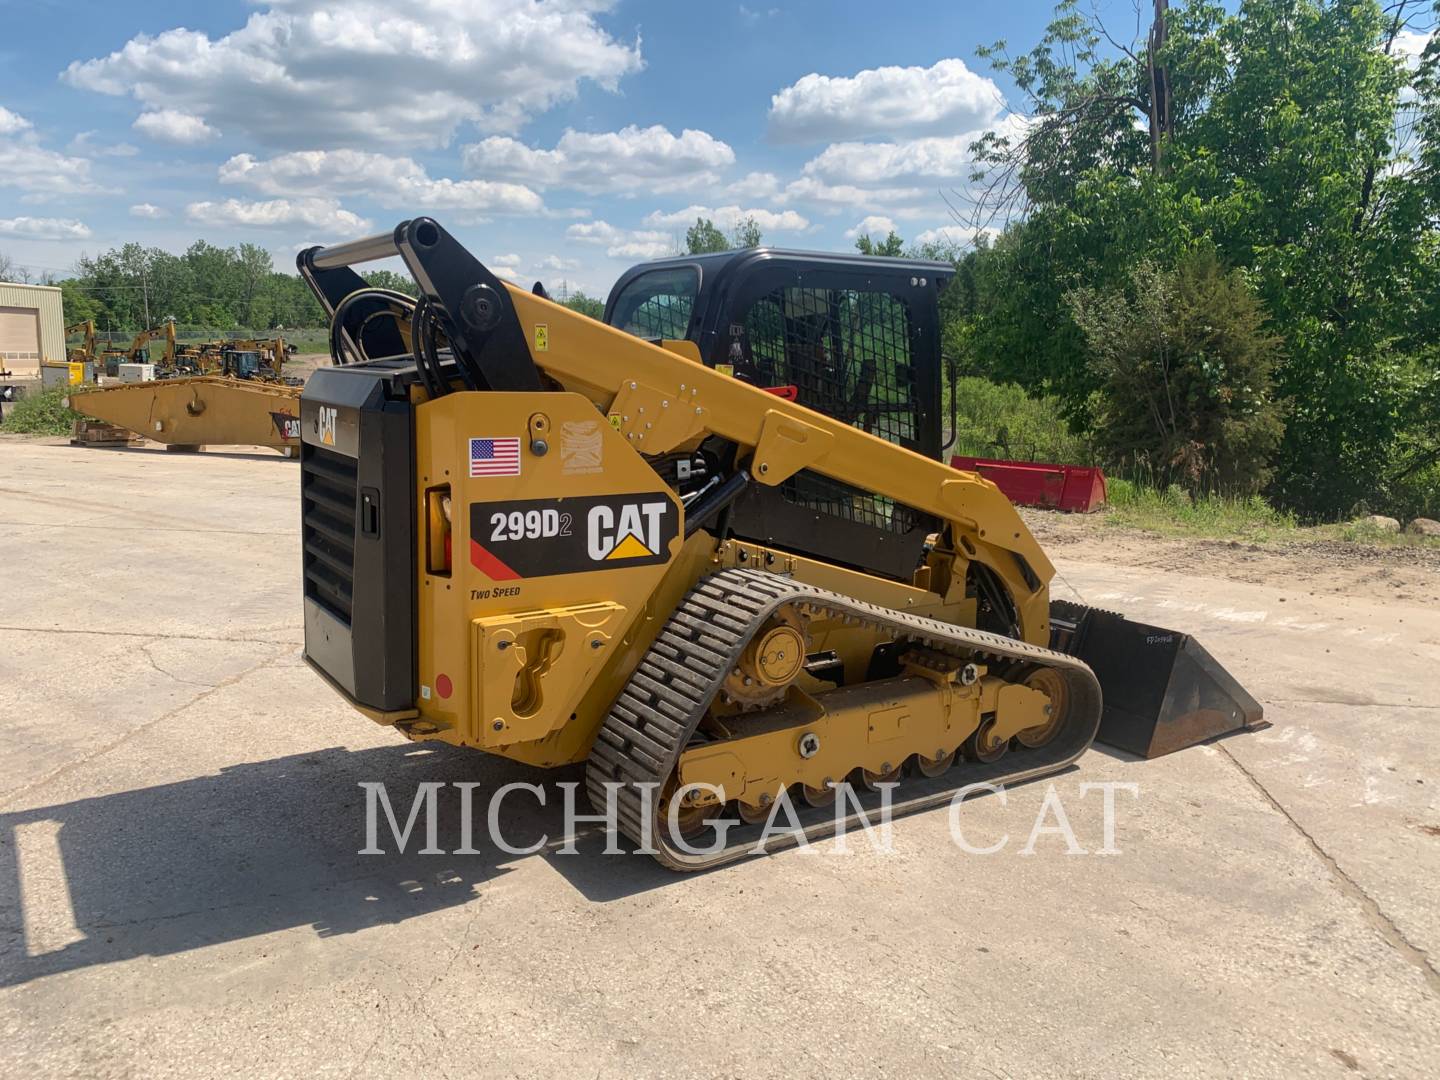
[41,414]
[1362,532]
[1173,511]
[999,420]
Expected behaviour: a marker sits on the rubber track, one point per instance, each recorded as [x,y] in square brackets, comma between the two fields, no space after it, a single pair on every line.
[652,720]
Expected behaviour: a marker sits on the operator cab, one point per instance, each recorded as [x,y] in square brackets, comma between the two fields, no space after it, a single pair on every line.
[854,337]
[241,364]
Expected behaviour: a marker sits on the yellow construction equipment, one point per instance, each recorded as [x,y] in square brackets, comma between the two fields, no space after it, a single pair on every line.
[209,357]
[139,351]
[87,352]
[716,555]
[187,413]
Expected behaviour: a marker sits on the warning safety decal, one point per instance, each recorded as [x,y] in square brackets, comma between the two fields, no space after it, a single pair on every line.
[539,537]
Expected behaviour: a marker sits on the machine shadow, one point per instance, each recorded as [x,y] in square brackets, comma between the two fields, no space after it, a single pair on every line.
[271,845]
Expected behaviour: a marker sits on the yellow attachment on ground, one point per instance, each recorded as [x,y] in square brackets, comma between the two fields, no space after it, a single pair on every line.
[199,411]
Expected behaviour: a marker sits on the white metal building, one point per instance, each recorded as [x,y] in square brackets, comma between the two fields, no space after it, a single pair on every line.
[32,328]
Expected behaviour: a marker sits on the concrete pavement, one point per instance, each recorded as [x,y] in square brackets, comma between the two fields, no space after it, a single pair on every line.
[181,894]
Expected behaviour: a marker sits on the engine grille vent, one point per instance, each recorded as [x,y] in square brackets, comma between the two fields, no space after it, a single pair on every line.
[328,494]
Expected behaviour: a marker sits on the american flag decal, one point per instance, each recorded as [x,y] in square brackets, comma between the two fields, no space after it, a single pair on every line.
[495,457]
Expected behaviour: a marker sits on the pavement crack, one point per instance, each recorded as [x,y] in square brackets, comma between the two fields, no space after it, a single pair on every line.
[145,651]
[1372,911]
[1347,704]
[146,635]
[12,797]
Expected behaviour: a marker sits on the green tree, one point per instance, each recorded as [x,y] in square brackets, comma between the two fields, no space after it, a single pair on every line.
[389,279]
[705,238]
[892,245]
[586,305]
[77,305]
[1185,367]
[746,233]
[1279,135]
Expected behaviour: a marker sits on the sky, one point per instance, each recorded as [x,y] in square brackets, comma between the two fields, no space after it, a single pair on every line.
[560,140]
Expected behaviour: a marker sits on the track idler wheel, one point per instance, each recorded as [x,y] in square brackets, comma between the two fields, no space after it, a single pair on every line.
[752,814]
[691,817]
[888,774]
[933,766]
[817,796]
[1052,684]
[984,745]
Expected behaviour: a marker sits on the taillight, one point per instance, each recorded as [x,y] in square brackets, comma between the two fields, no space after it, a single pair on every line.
[437,530]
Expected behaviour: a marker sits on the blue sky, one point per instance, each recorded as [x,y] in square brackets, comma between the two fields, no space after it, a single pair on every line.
[561,139]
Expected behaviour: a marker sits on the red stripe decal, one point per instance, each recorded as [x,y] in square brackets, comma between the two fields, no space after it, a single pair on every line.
[489,565]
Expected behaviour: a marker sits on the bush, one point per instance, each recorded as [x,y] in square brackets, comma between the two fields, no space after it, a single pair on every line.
[41,414]
[1185,367]
[1000,420]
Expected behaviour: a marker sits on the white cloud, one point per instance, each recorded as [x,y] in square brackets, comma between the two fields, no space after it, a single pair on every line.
[391,181]
[509,273]
[174,126]
[510,259]
[561,265]
[147,210]
[630,161]
[43,174]
[367,71]
[31,228]
[594,232]
[643,245]
[954,236]
[752,16]
[946,236]
[884,101]
[941,159]
[1409,44]
[934,159]
[755,185]
[317,213]
[85,145]
[836,197]
[874,225]
[727,217]
[623,243]
[12,123]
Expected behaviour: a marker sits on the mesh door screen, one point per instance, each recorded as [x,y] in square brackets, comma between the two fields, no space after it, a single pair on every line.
[848,354]
[658,304]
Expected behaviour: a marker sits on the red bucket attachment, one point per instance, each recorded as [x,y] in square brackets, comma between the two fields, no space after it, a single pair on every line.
[1162,690]
[1077,488]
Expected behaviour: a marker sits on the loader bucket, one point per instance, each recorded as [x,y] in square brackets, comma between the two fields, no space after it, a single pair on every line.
[1162,690]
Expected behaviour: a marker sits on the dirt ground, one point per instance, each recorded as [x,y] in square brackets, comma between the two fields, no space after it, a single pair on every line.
[301,365]
[1311,567]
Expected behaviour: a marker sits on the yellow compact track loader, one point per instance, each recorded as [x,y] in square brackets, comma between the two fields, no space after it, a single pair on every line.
[705,545]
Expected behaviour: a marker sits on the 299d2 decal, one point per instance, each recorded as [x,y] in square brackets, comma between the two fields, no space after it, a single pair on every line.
[540,537]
